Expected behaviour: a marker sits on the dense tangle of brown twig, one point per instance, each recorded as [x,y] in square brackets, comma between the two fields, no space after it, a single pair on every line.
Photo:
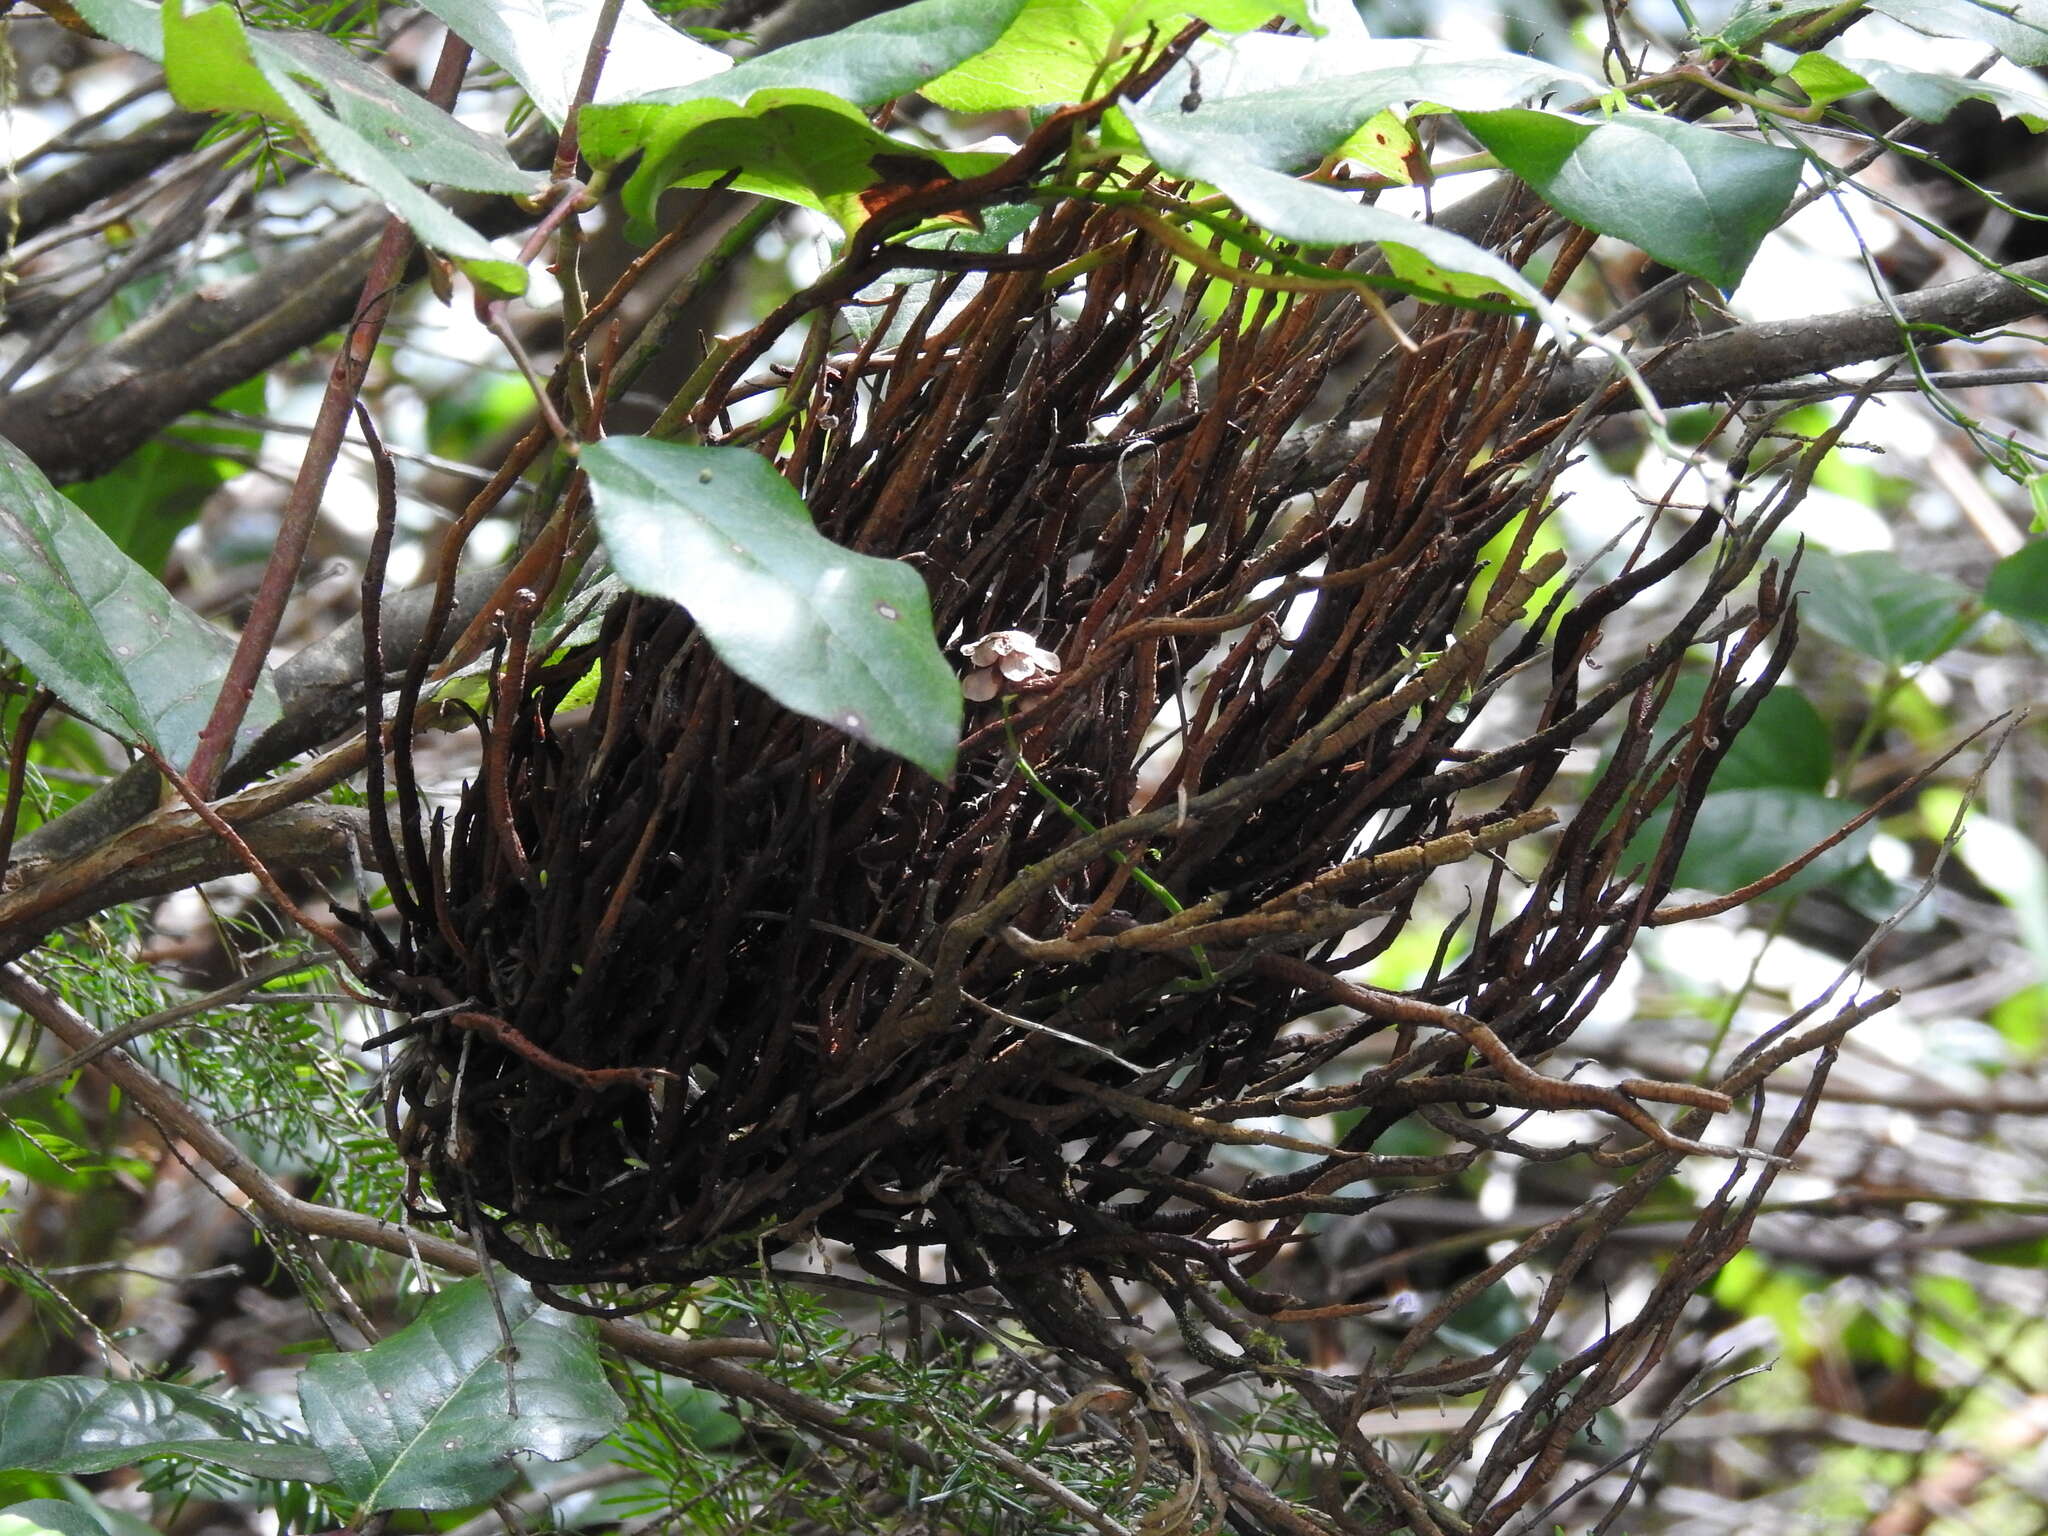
[692,977]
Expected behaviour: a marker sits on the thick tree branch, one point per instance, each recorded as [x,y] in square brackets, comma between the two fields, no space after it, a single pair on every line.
[102,169]
[156,860]
[1729,362]
[88,417]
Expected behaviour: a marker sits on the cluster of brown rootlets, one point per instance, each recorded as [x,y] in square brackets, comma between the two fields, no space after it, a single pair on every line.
[692,977]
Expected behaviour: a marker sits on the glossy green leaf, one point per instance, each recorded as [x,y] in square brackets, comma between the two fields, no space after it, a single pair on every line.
[1829,76]
[1871,602]
[423,1420]
[840,637]
[1754,19]
[542,44]
[79,1425]
[149,498]
[797,146]
[47,1517]
[2016,28]
[1061,50]
[99,630]
[1283,115]
[1694,199]
[863,65]
[1741,835]
[368,128]
[1825,80]
[2018,586]
[1423,259]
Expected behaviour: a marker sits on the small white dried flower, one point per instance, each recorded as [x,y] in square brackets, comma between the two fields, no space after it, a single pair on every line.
[1008,661]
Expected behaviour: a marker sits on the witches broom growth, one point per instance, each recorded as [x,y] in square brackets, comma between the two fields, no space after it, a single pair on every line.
[693,977]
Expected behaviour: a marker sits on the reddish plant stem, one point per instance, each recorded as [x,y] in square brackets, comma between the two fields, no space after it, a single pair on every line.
[17,769]
[302,507]
[327,933]
[567,148]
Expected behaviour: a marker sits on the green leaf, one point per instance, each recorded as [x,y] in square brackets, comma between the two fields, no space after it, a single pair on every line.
[2016,28]
[1424,259]
[1754,19]
[424,1420]
[47,1517]
[149,498]
[99,630]
[1872,603]
[837,636]
[542,45]
[859,67]
[2018,586]
[1694,199]
[80,1425]
[1825,80]
[797,146]
[1741,835]
[1060,50]
[1827,77]
[2014,1253]
[1784,745]
[371,130]
[1283,116]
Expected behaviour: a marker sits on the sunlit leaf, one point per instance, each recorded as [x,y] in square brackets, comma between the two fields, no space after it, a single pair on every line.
[2016,28]
[368,128]
[1064,50]
[1929,96]
[1421,257]
[840,637]
[798,146]
[862,66]
[542,44]
[1284,115]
